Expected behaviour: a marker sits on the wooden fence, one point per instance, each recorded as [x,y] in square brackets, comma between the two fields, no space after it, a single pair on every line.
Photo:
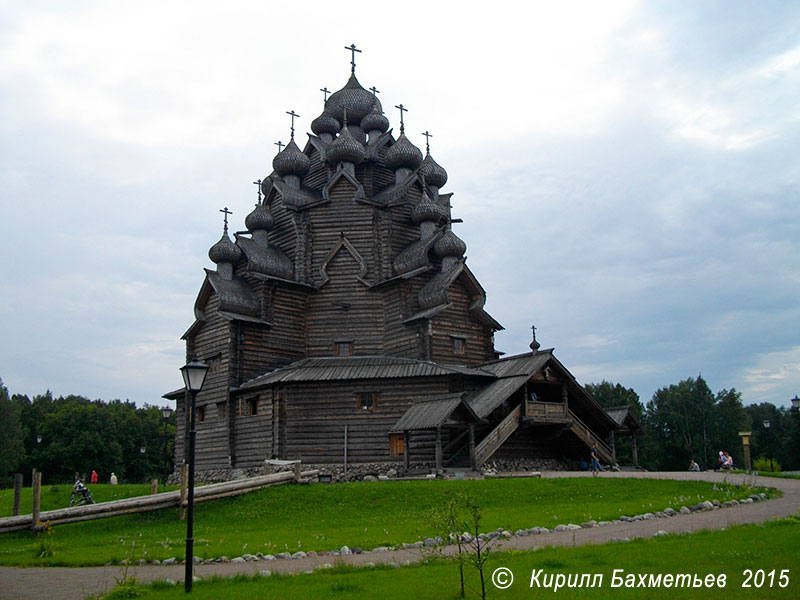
[126,506]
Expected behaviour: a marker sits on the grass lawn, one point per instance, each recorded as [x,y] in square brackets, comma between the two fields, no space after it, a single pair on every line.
[326,517]
[768,547]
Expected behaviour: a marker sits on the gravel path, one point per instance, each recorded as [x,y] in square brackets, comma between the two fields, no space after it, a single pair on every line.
[64,583]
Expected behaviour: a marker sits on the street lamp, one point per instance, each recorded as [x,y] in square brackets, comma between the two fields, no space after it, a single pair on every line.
[166,412]
[194,376]
[766,423]
[38,438]
[795,402]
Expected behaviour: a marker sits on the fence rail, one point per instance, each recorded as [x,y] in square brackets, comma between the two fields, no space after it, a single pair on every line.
[125,506]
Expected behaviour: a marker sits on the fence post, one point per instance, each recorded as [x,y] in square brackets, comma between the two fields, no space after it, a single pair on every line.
[297,465]
[37,489]
[17,492]
[184,482]
[154,487]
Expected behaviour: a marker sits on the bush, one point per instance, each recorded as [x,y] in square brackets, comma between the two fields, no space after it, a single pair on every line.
[766,465]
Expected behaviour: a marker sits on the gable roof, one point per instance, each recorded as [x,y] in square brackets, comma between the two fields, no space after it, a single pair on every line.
[433,413]
[511,373]
[340,368]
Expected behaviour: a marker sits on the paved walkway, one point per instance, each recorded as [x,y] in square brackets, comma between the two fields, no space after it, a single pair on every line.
[63,583]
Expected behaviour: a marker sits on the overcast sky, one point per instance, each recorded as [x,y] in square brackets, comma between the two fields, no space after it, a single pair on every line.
[627,173]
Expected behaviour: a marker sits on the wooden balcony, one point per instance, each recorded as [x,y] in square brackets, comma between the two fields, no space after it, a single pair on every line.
[546,412]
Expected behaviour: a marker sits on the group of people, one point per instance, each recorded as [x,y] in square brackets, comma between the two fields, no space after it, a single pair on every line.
[95,478]
[724,462]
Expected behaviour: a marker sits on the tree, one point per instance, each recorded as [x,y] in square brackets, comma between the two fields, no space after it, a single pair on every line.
[681,419]
[11,448]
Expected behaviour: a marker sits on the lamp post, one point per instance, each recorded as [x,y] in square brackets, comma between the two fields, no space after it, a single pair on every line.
[194,376]
[795,402]
[766,423]
[166,412]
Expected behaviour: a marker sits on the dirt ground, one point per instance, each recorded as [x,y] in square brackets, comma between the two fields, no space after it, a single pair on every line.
[63,583]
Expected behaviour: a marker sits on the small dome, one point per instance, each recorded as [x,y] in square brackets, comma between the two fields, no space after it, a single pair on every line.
[325,123]
[449,245]
[355,99]
[403,154]
[260,219]
[375,120]
[224,251]
[426,210]
[345,148]
[434,173]
[290,161]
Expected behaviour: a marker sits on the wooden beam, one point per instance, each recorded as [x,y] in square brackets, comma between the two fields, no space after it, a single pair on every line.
[438,447]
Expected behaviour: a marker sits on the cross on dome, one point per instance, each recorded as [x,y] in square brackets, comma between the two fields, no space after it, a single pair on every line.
[293,115]
[325,91]
[374,90]
[227,212]
[280,145]
[353,50]
[427,141]
[402,110]
[258,183]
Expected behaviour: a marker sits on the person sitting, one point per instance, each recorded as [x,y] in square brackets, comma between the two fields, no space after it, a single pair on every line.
[693,466]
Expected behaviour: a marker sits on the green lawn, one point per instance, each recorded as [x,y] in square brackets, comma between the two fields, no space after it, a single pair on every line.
[326,517]
[768,547]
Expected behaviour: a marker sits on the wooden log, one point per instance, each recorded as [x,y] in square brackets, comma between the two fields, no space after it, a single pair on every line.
[17,492]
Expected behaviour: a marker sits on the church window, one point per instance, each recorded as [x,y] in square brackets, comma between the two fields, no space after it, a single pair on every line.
[396,445]
[201,414]
[214,363]
[459,344]
[222,410]
[366,401]
[248,407]
[344,348]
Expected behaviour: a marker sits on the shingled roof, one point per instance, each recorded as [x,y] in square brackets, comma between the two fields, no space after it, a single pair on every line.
[433,413]
[357,367]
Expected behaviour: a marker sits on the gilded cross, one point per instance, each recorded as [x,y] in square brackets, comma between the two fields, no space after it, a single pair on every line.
[427,141]
[353,50]
[293,114]
[227,212]
[402,110]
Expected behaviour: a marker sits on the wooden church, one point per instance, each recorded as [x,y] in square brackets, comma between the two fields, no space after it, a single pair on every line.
[343,325]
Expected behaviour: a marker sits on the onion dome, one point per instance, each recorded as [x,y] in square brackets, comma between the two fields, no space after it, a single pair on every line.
[325,123]
[449,245]
[375,120]
[224,251]
[260,219]
[345,148]
[290,161]
[403,154]
[434,173]
[426,210]
[355,99]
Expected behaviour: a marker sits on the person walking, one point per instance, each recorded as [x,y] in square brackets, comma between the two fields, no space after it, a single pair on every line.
[95,478]
[596,467]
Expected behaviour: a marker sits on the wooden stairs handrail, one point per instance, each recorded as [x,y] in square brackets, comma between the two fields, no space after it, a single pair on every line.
[580,429]
[497,436]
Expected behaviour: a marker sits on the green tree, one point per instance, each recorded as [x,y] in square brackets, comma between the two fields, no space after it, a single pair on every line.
[12,450]
[681,420]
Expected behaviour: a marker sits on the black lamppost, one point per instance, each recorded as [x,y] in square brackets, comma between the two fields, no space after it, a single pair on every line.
[766,423]
[795,402]
[166,412]
[194,376]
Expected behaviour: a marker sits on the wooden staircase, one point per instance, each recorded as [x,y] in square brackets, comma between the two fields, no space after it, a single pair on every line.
[586,435]
[497,436]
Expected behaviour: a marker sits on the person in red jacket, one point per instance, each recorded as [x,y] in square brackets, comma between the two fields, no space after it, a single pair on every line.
[94,477]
